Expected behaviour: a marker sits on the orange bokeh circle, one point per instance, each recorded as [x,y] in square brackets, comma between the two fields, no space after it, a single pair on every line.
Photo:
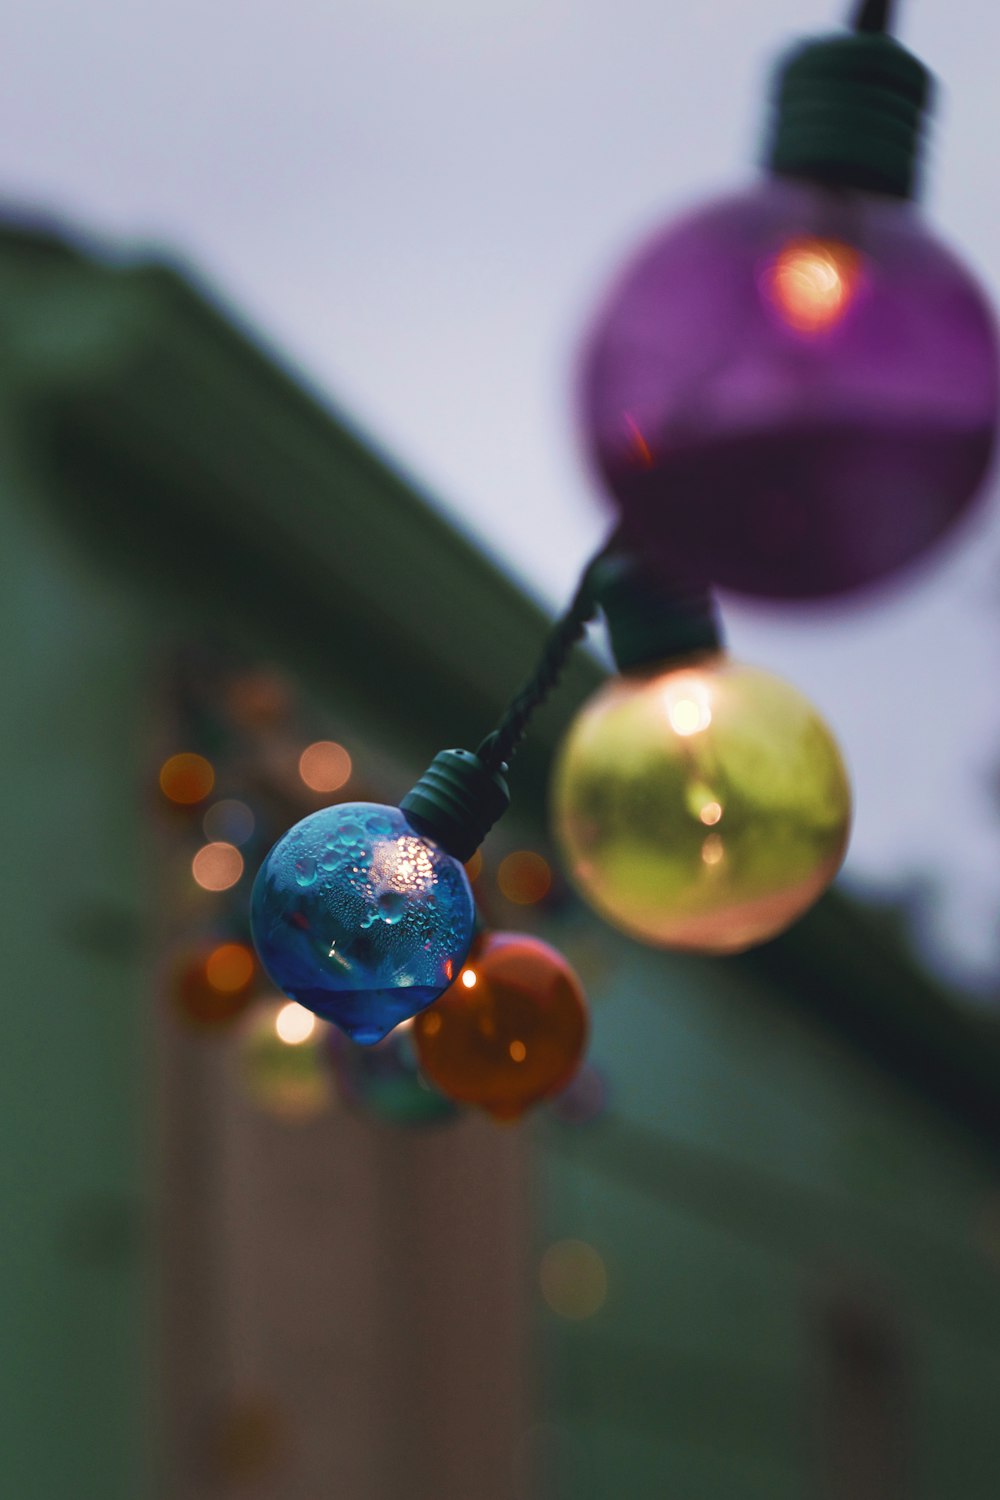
[186,778]
[214,983]
[217,867]
[325,766]
[524,877]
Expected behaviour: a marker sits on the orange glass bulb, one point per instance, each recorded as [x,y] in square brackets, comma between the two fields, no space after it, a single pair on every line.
[509,1032]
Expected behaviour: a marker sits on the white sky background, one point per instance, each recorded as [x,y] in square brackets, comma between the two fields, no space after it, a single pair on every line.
[419,203]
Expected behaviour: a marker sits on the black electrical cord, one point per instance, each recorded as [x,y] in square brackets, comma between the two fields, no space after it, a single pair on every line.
[496,750]
[874,16]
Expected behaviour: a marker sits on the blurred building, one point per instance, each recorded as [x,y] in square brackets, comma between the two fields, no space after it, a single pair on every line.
[756,1253]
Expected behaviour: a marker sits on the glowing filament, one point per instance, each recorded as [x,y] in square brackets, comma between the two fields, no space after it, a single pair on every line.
[687,704]
[812,283]
[403,865]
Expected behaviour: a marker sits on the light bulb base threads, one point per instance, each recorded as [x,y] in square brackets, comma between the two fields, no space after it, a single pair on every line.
[650,620]
[457,801]
[850,113]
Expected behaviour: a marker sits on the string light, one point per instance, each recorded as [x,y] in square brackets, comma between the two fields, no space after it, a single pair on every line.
[573,1279]
[230,968]
[285,1076]
[229,821]
[699,804]
[829,413]
[212,985]
[524,877]
[820,424]
[294,1024]
[186,778]
[361,916]
[325,766]
[509,1032]
[217,867]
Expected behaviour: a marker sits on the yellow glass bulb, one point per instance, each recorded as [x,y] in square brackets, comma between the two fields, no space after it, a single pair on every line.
[701,807]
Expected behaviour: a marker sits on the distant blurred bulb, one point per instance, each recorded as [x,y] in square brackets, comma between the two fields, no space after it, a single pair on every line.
[701,807]
[186,778]
[325,766]
[285,1078]
[294,1024]
[217,867]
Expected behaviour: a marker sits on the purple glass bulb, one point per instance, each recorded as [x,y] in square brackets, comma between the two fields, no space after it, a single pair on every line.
[792,392]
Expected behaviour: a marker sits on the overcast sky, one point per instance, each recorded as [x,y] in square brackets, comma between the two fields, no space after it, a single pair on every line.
[418,200]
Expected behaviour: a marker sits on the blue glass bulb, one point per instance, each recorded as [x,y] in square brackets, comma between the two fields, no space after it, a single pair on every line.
[361,918]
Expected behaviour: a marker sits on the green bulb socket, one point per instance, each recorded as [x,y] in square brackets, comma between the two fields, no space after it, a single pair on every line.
[850,113]
[457,801]
[651,621]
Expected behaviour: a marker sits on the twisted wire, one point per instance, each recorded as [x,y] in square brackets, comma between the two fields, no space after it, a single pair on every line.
[498,747]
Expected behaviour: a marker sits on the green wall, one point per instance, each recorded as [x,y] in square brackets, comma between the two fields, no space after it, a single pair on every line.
[749,1168]
[74,1315]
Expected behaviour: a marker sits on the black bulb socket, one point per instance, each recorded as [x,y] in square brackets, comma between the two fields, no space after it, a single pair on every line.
[850,113]
[457,801]
[652,620]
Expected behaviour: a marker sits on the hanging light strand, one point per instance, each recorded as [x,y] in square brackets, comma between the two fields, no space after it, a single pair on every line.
[498,747]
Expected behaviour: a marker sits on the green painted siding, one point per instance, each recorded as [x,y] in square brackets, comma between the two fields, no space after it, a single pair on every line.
[749,1166]
[73,1309]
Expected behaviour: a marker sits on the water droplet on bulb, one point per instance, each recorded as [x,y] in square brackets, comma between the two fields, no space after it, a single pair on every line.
[391,907]
[305,870]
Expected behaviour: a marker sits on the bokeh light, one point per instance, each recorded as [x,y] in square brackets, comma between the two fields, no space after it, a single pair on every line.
[213,984]
[229,968]
[186,778]
[325,766]
[228,821]
[812,283]
[291,1082]
[713,850]
[474,866]
[294,1024]
[217,867]
[524,877]
[585,1099]
[384,1082]
[258,700]
[573,1279]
